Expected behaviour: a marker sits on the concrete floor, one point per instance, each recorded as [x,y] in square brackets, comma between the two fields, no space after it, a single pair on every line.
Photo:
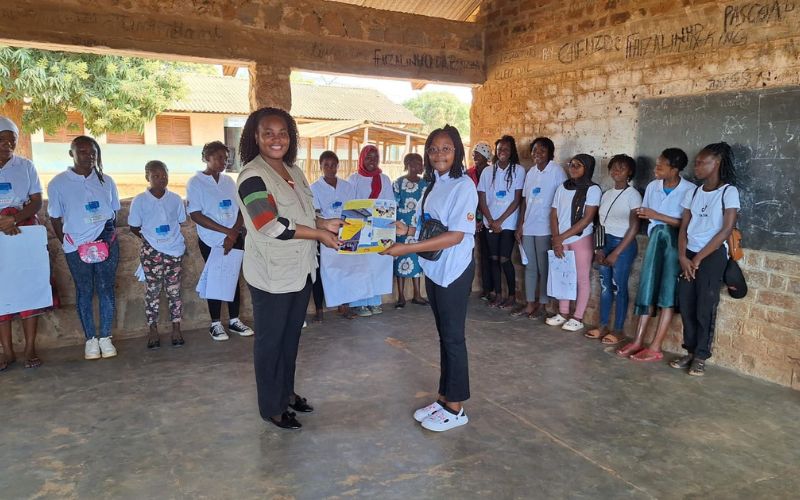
[552,415]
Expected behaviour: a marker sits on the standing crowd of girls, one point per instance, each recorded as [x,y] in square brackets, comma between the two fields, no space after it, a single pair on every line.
[280,222]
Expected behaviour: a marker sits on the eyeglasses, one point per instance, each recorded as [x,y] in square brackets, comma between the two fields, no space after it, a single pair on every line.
[575,164]
[445,150]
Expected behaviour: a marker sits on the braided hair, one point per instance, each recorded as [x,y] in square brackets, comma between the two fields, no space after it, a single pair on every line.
[98,168]
[723,151]
[248,147]
[513,160]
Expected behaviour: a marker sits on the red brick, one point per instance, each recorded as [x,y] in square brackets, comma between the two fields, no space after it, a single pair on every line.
[779,300]
[777,282]
[784,264]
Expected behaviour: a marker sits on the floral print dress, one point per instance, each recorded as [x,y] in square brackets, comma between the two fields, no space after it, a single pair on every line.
[408,194]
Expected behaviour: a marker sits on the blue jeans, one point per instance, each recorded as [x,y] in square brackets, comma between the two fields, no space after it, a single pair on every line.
[91,277]
[614,282]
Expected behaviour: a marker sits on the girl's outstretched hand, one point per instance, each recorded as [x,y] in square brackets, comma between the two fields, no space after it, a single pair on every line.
[328,239]
[396,250]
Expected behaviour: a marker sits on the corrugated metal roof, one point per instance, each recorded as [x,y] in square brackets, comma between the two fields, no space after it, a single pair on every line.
[224,94]
[336,127]
[456,10]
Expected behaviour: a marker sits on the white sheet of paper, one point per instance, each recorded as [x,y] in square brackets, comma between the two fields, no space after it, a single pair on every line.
[24,261]
[139,273]
[522,256]
[562,277]
[220,276]
[348,278]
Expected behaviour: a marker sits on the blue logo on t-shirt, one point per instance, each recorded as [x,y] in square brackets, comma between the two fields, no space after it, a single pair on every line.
[536,191]
[5,187]
[92,206]
[501,194]
[162,229]
[336,204]
[225,204]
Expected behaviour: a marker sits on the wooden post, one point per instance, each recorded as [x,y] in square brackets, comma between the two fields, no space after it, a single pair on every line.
[308,158]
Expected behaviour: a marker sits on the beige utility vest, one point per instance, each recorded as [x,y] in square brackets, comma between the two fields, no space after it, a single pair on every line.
[270,264]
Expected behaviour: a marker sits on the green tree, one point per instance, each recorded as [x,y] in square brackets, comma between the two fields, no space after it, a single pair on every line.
[113,93]
[438,108]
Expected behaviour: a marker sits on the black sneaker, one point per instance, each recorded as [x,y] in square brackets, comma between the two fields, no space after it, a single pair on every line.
[243,330]
[301,405]
[217,332]
[682,362]
[698,368]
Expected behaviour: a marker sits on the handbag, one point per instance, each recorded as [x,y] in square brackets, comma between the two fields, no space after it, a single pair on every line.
[94,252]
[430,227]
[600,229]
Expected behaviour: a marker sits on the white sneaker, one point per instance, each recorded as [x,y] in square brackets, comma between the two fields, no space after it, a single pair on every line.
[217,332]
[556,320]
[443,420]
[427,411]
[237,326]
[107,349]
[92,350]
[573,325]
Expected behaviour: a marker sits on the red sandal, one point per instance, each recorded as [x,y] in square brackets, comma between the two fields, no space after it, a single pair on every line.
[647,355]
[628,350]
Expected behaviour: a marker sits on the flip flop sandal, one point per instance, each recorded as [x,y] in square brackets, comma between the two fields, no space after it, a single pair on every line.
[34,362]
[507,303]
[594,333]
[628,350]
[610,339]
[6,365]
[519,313]
[647,355]
[420,302]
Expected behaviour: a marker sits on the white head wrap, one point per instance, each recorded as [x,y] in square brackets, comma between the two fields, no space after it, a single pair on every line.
[7,124]
[484,149]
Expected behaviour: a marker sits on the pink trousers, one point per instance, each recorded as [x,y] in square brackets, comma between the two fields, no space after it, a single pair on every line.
[584,255]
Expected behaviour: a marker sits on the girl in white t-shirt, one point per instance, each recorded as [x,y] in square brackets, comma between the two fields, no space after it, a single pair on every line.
[155,217]
[709,216]
[574,207]
[499,195]
[621,222]
[211,199]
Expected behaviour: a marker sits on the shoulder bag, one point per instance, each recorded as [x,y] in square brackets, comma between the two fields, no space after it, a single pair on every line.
[600,229]
[430,227]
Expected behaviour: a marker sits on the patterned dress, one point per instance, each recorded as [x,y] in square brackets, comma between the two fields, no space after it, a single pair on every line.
[408,194]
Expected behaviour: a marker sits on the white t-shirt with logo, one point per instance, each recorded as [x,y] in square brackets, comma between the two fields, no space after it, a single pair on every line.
[500,193]
[18,181]
[160,220]
[83,203]
[539,189]
[452,202]
[329,200]
[616,218]
[707,215]
[562,202]
[215,200]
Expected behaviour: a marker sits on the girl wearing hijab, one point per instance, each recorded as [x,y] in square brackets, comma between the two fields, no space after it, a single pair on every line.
[574,207]
[370,183]
[20,200]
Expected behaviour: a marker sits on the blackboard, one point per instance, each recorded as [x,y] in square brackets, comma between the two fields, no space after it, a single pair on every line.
[763,128]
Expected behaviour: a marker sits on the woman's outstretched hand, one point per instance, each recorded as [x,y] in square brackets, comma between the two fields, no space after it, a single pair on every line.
[328,239]
[396,250]
[330,225]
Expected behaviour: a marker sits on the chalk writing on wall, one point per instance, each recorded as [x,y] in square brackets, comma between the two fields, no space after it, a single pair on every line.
[749,14]
[424,61]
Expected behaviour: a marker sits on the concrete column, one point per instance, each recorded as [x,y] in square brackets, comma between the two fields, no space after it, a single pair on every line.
[269,86]
[408,145]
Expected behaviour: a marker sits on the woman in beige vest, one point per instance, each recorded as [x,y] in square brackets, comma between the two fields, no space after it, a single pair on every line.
[279,256]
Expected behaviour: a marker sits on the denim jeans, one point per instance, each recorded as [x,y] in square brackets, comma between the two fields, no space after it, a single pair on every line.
[91,277]
[614,283]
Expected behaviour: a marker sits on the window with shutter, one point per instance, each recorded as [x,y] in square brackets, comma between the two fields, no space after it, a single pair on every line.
[130,137]
[173,130]
[70,130]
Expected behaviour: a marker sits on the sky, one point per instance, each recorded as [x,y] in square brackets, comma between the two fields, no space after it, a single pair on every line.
[396,90]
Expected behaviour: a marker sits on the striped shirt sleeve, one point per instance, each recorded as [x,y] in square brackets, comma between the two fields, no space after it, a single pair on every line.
[263,211]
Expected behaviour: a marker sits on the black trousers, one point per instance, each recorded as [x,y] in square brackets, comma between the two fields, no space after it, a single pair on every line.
[698,300]
[215,306]
[318,291]
[278,320]
[485,261]
[500,247]
[449,306]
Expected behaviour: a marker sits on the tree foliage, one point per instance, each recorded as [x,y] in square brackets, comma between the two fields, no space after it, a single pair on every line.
[113,93]
[439,108]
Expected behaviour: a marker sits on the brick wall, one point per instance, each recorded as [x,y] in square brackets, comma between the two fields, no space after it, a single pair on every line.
[576,70]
